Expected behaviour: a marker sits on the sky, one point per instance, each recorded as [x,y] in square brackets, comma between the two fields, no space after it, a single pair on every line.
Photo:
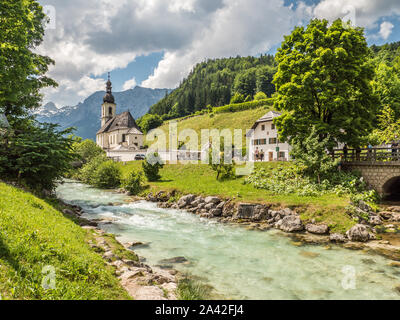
[155,43]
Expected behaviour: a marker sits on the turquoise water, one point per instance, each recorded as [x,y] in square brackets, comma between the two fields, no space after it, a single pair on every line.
[239,263]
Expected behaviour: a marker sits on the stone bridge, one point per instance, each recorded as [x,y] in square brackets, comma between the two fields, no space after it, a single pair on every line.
[384,177]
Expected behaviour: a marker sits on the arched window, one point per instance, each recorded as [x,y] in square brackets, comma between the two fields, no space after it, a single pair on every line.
[110,111]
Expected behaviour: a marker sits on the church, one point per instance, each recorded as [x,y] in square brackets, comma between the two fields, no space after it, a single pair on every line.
[118,132]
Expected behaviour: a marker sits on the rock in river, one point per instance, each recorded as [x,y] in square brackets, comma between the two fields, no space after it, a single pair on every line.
[317,228]
[174,260]
[358,233]
[290,224]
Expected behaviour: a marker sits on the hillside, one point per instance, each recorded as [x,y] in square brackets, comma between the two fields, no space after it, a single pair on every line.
[232,120]
[86,115]
[33,235]
[214,81]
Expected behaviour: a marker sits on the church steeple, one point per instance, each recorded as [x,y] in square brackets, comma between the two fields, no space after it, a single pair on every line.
[108,109]
[109,96]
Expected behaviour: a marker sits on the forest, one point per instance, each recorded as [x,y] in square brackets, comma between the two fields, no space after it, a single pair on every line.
[215,82]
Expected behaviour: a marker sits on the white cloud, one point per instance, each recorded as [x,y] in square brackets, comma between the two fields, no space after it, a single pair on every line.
[365,12]
[96,36]
[130,84]
[386,29]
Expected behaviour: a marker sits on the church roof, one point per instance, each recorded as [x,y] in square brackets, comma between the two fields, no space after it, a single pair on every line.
[120,122]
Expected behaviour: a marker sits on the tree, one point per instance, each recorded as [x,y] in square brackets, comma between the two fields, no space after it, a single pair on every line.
[323,82]
[87,150]
[38,155]
[134,182]
[389,127]
[237,98]
[22,71]
[151,167]
[245,83]
[149,122]
[260,96]
[107,175]
[221,162]
[311,155]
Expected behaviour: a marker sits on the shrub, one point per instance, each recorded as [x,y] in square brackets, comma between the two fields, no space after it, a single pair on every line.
[152,166]
[260,96]
[134,182]
[87,150]
[107,175]
[237,98]
[236,107]
[87,172]
[37,155]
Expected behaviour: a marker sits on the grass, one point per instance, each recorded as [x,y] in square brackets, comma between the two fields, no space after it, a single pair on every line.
[33,235]
[191,289]
[243,120]
[201,180]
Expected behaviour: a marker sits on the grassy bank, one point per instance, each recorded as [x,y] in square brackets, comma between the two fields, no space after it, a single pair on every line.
[34,235]
[235,120]
[200,180]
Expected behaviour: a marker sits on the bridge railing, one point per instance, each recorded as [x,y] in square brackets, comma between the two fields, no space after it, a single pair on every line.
[368,154]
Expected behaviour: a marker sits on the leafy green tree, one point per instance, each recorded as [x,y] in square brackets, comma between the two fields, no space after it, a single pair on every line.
[312,155]
[245,83]
[323,82]
[134,182]
[237,98]
[107,175]
[22,70]
[221,162]
[87,150]
[38,155]
[151,167]
[149,122]
[389,126]
[87,172]
[260,96]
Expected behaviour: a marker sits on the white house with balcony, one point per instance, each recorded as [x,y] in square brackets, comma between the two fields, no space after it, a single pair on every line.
[264,140]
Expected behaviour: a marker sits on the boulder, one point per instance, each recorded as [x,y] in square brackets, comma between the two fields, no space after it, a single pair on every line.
[395,217]
[186,200]
[394,209]
[173,260]
[365,207]
[287,212]
[214,200]
[375,220]
[358,233]
[290,224]
[386,215]
[210,206]
[317,228]
[68,212]
[151,198]
[216,212]
[221,205]
[337,237]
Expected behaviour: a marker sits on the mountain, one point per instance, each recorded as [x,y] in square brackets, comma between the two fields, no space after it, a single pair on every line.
[215,81]
[86,115]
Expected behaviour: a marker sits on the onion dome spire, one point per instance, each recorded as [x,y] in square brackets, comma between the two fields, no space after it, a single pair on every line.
[109,96]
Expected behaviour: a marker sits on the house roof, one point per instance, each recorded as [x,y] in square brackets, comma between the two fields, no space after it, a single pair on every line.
[119,122]
[265,118]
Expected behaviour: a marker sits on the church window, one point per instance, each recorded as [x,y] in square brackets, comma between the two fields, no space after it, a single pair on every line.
[124,138]
[110,111]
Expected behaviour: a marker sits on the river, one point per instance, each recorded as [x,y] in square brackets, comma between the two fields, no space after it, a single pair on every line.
[238,263]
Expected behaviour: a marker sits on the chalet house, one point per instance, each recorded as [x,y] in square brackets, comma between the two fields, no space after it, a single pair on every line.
[264,139]
[118,132]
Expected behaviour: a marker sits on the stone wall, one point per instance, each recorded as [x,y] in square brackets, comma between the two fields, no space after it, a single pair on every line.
[377,174]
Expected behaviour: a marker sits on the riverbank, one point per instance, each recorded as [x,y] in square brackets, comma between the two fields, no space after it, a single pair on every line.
[237,260]
[375,231]
[46,256]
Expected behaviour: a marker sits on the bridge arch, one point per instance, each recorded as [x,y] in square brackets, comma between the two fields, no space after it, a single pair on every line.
[391,187]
